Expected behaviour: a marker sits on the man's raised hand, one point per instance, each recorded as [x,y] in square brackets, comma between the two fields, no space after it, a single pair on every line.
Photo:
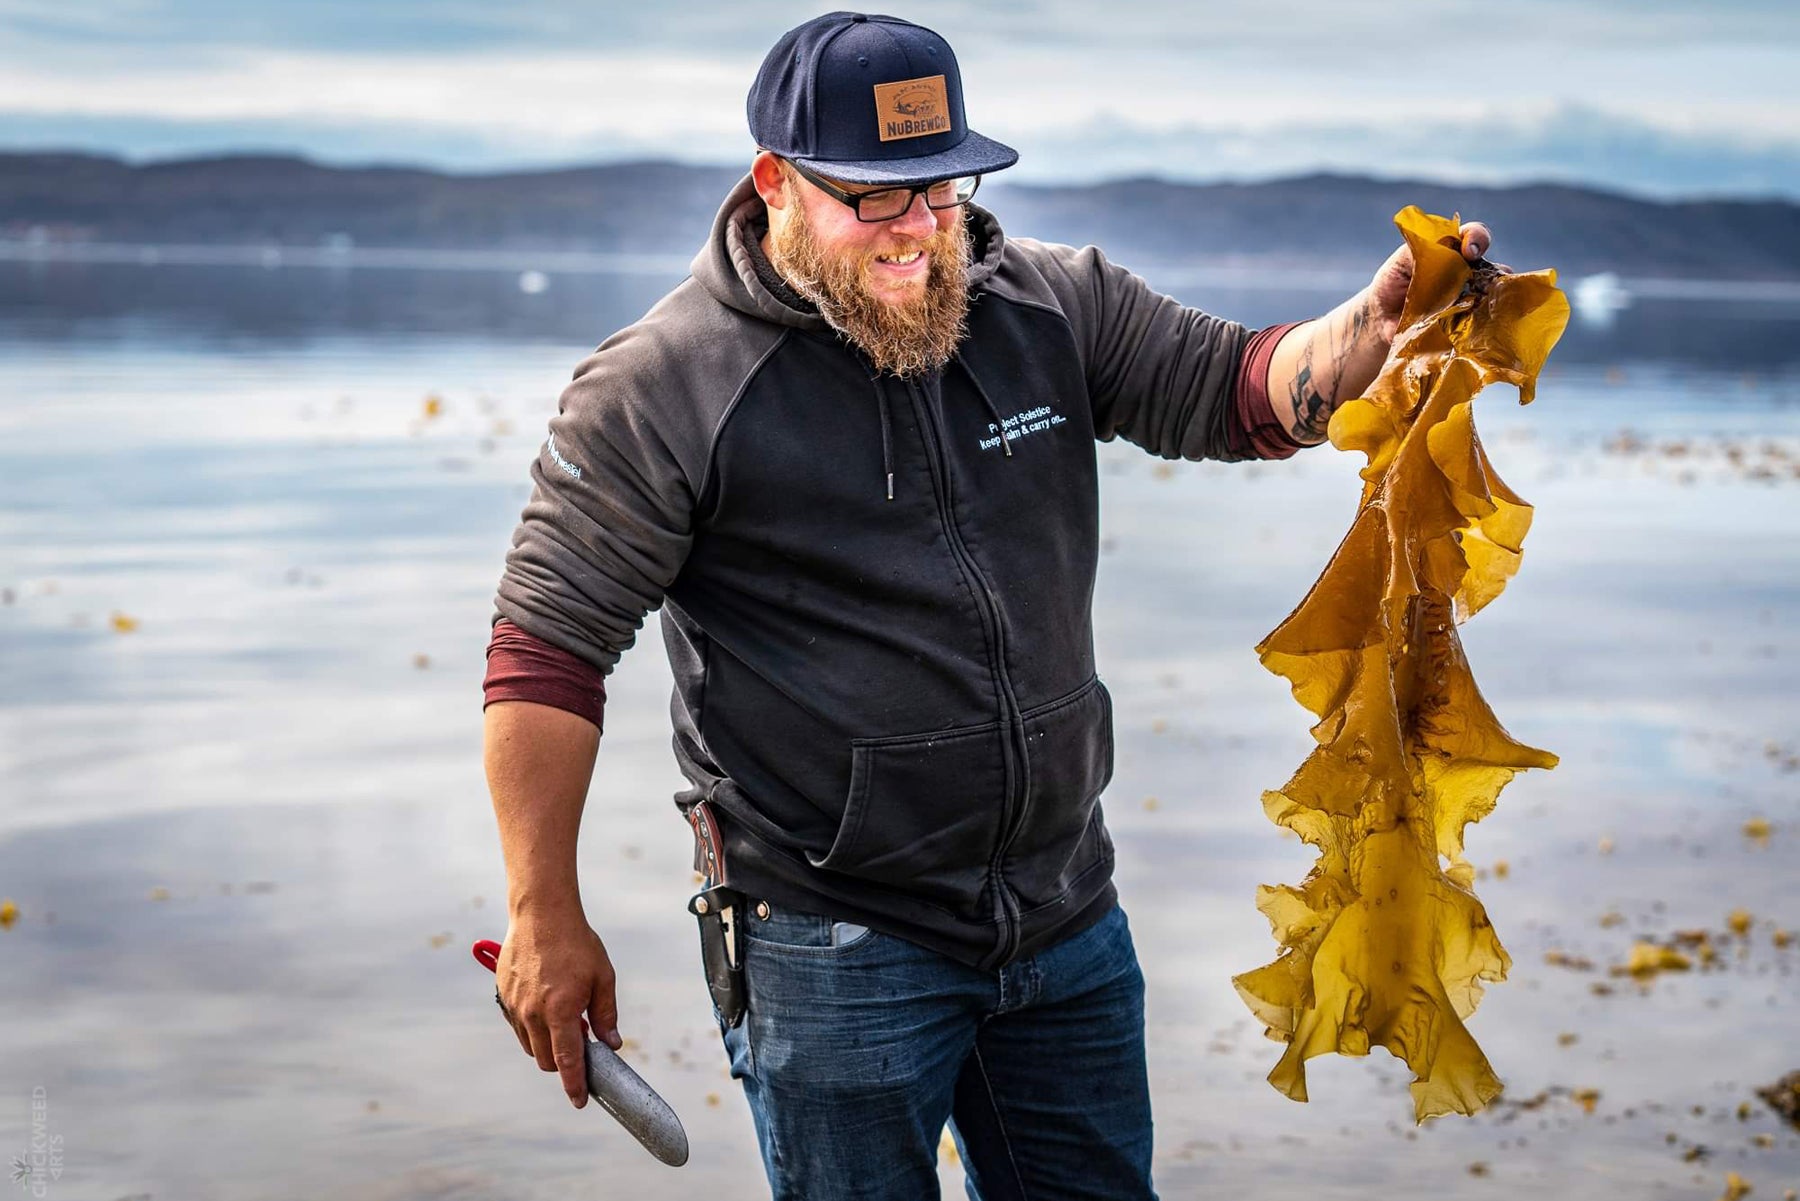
[1387,290]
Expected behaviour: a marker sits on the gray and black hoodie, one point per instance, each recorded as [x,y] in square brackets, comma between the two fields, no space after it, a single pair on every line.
[875,591]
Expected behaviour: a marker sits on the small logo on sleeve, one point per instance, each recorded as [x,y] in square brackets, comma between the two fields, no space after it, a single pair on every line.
[912,108]
[569,469]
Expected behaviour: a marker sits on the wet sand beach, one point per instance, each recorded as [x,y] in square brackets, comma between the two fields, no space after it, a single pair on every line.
[248,540]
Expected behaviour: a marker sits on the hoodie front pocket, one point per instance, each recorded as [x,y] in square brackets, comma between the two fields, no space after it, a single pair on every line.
[923,813]
[1061,837]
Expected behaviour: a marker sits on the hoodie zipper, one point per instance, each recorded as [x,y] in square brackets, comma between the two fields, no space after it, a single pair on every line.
[1018,762]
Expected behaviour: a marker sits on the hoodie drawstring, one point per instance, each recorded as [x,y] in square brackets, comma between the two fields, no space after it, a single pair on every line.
[1005,441]
[887,435]
[887,423]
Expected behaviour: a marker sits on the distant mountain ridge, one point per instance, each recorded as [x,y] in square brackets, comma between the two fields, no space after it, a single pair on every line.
[1320,222]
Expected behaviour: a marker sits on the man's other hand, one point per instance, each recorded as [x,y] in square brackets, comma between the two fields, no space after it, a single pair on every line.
[1388,288]
[552,974]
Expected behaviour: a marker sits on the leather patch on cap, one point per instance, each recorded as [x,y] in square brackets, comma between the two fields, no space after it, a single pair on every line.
[912,108]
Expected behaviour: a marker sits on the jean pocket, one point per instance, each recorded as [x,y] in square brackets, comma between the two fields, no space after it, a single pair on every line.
[923,813]
[1062,836]
[791,932]
[790,928]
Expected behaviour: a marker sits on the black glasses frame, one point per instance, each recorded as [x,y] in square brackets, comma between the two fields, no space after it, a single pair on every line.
[855,199]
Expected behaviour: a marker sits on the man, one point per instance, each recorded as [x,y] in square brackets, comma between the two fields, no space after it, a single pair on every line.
[852,458]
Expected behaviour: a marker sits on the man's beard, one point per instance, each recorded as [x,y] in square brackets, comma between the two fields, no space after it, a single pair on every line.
[907,337]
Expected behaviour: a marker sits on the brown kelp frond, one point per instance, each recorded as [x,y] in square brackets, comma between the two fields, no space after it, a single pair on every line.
[1384,943]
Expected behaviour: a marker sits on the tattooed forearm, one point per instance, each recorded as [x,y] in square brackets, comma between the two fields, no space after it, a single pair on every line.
[1330,369]
[1312,412]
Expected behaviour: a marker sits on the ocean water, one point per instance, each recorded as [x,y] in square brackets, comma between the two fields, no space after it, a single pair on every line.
[247,582]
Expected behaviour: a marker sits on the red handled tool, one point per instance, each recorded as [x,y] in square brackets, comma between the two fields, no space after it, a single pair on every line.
[619,1090]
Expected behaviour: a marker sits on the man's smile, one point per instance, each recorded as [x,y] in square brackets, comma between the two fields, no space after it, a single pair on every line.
[903,264]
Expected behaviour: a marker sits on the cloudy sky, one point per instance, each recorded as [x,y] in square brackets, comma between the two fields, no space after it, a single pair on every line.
[1651,96]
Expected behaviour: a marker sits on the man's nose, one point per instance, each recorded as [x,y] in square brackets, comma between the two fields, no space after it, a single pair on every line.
[918,221]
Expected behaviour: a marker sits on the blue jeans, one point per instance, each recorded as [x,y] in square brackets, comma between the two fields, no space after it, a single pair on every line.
[857,1047]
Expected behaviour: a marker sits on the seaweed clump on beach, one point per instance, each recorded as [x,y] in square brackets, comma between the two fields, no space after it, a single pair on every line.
[1385,943]
[1784,1098]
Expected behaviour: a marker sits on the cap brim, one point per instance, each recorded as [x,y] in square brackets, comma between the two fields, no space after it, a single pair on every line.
[974,155]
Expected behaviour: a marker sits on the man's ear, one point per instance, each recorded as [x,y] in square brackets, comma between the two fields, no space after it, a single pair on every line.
[765,172]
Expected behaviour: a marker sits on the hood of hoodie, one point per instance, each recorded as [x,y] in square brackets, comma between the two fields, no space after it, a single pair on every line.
[724,267]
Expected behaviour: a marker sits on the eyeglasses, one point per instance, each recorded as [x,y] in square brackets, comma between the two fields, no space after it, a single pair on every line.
[888,203]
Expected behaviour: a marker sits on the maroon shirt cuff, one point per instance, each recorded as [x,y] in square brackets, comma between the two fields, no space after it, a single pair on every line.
[521,667]
[1269,438]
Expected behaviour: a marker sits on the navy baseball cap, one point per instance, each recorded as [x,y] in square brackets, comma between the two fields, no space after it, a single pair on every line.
[869,99]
